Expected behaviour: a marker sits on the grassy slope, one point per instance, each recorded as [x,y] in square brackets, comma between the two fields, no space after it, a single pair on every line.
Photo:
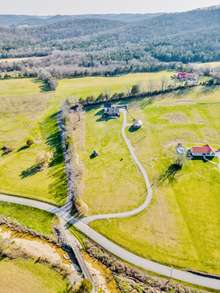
[182,225]
[22,276]
[27,112]
[34,219]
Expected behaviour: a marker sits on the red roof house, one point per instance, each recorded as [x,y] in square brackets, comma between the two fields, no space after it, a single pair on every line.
[203,151]
[184,76]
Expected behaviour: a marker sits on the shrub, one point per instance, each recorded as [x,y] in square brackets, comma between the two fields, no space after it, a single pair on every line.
[29,142]
[43,160]
[135,89]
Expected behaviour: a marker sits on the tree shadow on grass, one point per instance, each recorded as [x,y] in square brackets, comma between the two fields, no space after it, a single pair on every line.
[105,119]
[30,171]
[23,148]
[170,173]
[42,85]
[56,167]
[99,112]
[133,129]
[102,117]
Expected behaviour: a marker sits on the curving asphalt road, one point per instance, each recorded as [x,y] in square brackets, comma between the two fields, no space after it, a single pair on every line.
[30,203]
[115,249]
[149,194]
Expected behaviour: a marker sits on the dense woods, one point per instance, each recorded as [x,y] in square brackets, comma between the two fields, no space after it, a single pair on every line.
[68,46]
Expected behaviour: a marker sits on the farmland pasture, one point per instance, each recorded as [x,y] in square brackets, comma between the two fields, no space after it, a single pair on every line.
[88,86]
[110,182]
[187,204]
[181,226]
[28,113]
[24,276]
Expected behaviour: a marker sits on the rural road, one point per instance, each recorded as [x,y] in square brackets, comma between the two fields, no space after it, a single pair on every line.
[82,225]
[118,251]
[62,214]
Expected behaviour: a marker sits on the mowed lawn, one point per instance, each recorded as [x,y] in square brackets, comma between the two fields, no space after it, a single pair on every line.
[28,113]
[182,226]
[111,182]
[25,276]
[88,86]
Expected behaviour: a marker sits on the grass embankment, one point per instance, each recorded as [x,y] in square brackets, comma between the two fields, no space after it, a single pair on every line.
[31,218]
[24,276]
[182,225]
[27,112]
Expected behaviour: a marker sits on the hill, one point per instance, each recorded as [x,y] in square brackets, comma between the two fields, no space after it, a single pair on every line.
[111,44]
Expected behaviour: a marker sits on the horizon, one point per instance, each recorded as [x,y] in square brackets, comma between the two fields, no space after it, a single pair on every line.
[85,7]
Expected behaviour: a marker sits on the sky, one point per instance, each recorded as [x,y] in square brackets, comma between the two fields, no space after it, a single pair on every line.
[51,7]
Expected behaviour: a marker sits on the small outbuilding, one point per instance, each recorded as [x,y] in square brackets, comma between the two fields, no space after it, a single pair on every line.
[137,124]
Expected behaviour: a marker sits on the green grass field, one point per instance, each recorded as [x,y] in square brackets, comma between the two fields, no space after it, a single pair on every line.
[82,87]
[186,204]
[27,112]
[114,164]
[23,276]
[34,219]
[182,225]
[111,182]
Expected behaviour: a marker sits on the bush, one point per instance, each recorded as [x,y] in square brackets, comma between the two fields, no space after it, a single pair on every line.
[135,89]
[29,142]
[43,160]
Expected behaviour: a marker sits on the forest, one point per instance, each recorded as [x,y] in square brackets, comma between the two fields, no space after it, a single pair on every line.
[67,46]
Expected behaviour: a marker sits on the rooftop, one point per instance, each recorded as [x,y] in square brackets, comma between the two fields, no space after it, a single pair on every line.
[202,150]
